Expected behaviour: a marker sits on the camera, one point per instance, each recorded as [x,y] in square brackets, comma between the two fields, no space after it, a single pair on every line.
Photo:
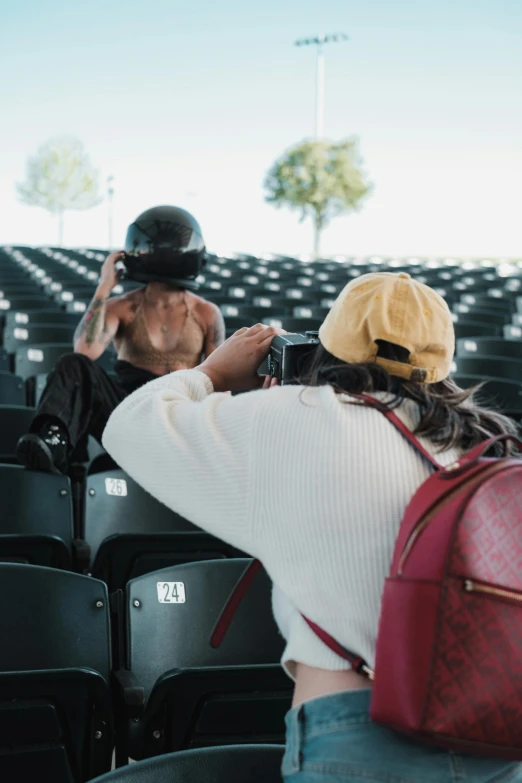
[288,354]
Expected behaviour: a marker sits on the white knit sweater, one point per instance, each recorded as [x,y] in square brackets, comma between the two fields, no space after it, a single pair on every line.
[313,487]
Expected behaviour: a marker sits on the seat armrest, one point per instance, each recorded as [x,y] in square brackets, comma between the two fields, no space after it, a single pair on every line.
[132,693]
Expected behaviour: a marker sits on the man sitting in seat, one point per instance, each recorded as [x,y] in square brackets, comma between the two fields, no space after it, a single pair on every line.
[156,329]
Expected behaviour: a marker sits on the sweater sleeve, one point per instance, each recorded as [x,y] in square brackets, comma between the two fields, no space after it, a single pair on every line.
[191,449]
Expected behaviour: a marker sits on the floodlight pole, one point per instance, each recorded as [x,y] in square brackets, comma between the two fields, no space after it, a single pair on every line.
[320,42]
[110,211]
[319,94]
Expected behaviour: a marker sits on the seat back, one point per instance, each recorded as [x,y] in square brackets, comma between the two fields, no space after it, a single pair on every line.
[238,763]
[467,328]
[505,394]
[40,302]
[53,620]
[55,712]
[59,317]
[36,518]
[12,389]
[18,289]
[298,325]
[15,421]
[497,316]
[130,533]
[171,615]
[489,346]
[233,323]
[234,693]
[40,359]
[506,368]
[37,334]
[512,332]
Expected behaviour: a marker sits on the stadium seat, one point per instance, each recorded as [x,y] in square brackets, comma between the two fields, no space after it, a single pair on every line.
[298,325]
[31,361]
[233,323]
[58,317]
[310,312]
[489,346]
[234,693]
[15,421]
[231,764]
[476,329]
[36,520]
[279,304]
[28,303]
[12,389]
[491,316]
[505,395]
[507,368]
[130,533]
[255,313]
[483,301]
[56,723]
[37,334]
[512,332]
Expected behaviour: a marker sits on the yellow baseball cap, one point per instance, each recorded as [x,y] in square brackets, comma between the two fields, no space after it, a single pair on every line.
[400,310]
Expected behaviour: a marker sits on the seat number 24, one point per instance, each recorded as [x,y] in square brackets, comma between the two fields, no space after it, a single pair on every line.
[171,592]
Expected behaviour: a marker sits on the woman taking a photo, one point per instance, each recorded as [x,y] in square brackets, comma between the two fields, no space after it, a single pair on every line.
[314,484]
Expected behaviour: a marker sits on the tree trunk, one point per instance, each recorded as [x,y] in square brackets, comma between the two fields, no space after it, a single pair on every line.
[60,229]
[318,226]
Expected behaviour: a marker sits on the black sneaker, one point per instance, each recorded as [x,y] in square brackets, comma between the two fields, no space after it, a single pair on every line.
[46,450]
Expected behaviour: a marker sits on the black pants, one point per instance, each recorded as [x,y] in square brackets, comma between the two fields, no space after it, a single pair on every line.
[82,396]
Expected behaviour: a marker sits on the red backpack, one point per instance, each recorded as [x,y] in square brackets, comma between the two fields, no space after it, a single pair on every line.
[448,667]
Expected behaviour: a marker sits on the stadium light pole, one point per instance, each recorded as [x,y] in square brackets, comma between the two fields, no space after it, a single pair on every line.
[110,209]
[320,41]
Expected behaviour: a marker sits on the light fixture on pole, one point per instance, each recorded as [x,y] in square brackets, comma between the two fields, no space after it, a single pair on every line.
[110,196]
[320,42]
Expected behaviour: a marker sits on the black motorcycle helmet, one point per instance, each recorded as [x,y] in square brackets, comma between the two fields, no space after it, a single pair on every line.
[165,244]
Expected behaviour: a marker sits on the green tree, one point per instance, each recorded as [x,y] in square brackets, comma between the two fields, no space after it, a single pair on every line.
[59,177]
[321,179]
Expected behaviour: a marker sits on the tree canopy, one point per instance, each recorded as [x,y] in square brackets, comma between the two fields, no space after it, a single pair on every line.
[321,179]
[60,177]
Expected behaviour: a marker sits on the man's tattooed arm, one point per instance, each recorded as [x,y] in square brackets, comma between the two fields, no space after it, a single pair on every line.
[95,331]
[89,326]
[215,333]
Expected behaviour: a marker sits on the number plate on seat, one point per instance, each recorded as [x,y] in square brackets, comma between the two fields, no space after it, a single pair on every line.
[114,486]
[171,592]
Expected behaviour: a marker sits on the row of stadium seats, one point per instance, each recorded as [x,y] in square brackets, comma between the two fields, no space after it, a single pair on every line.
[487,357]
[281,292]
[103,524]
[85,674]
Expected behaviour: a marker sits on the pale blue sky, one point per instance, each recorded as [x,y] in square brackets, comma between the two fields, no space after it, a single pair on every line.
[189,103]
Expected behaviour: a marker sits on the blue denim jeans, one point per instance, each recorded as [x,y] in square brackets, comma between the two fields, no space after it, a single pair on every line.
[333,739]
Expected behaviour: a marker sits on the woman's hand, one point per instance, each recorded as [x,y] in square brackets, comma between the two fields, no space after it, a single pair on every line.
[269,382]
[233,366]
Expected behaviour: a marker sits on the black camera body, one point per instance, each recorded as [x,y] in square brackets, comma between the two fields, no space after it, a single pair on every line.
[288,353]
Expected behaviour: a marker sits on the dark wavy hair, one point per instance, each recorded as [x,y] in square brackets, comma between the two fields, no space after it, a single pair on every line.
[450,417]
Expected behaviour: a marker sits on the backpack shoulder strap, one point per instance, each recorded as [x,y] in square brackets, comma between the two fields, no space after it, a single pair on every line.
[358,664]
[234,600]
[399,425]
